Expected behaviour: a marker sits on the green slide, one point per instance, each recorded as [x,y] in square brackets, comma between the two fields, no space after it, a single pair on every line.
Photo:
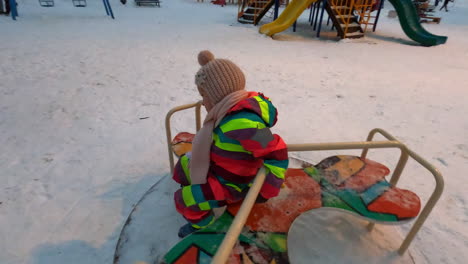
[409,21]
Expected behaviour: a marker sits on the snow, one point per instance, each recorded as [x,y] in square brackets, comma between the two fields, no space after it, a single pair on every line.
[148,236]
[75,155]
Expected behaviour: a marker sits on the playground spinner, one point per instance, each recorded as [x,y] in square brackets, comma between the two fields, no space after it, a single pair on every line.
[350,184]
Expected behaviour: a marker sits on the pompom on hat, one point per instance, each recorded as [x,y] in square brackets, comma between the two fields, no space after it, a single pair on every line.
[218,77]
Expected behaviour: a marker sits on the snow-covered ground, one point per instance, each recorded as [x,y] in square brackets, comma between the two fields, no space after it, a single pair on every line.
[74,85]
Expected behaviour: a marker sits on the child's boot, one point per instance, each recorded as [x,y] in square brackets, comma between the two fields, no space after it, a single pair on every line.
[186,230]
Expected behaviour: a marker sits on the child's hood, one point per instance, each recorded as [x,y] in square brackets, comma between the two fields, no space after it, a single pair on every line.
[260,105]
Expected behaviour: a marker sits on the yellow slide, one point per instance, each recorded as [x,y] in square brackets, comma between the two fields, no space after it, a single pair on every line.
[287,18]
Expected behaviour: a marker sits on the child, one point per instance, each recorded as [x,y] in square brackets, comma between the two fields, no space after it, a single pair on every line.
[234,142]
[445,5]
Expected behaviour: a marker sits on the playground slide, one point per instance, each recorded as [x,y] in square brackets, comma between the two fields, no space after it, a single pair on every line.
[405,9]
[287,17]
[409,21]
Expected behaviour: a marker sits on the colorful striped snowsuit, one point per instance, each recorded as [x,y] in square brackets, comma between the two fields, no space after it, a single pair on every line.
[242,143]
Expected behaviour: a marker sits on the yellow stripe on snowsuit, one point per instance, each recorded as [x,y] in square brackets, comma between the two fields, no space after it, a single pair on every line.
[187,195]
[277,171]
[211,218]
[264,108]
[228,146]
[205,206]
[184,161]
[241,123]
[234,186]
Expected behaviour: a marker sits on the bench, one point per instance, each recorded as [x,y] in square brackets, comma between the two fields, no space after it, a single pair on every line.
[147,2]
[79,3]
[46,3]
[429,19]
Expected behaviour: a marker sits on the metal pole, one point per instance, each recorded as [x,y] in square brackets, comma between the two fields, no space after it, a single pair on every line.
[277,4]
[224,250]
[197,107]
[110,9]
[317,14]
[313,13]
[430,203]
[321,19]
[105,6]
[344,145]
[378,15]
[310,13]
[294,26]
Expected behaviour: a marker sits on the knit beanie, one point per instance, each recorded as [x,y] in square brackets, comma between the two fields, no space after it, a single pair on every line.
[218,77]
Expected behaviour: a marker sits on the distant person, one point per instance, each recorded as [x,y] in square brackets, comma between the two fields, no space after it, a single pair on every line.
[445,5]
[219,2]
[5,7]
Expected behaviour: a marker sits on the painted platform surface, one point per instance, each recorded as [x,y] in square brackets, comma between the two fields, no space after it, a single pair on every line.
[346,183]
[347,240]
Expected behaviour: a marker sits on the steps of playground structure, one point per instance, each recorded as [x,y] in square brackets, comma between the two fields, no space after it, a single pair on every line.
[356,34]
[255,11]
[339,7]
[351,25]
[345,16]
[245,21]
[353,29]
